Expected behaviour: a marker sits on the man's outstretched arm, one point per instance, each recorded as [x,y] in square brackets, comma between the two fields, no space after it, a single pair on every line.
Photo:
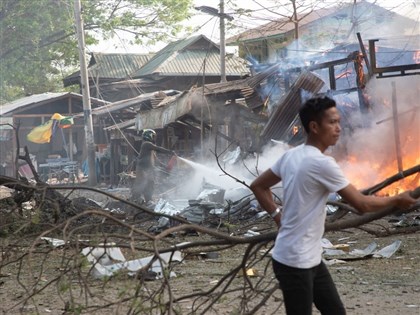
[368,203]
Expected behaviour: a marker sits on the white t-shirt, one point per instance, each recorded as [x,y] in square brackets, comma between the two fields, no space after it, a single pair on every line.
[308,176]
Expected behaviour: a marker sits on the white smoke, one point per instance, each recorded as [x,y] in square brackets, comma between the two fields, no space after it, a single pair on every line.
[242,171]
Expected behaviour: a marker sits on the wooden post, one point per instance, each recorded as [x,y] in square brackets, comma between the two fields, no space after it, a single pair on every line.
[70,130]
[396,127]
[112,160]
[363,50]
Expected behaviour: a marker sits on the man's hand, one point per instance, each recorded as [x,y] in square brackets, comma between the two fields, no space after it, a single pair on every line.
[405,200]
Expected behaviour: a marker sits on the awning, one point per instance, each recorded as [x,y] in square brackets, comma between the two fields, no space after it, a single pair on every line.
[167,112]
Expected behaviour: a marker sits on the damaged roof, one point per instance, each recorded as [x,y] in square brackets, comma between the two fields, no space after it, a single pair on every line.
[173,108]
[133,104]
[122,125]
[169,111]
[186,58]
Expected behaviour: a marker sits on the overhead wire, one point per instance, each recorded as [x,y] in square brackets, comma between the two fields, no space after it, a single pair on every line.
[113,119]
[100,95]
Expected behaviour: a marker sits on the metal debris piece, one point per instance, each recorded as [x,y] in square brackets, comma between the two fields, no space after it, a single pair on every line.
[55,242]
[388,251]
[103,261]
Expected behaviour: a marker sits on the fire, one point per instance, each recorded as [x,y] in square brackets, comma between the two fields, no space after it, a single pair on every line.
[389,145]
[365,174]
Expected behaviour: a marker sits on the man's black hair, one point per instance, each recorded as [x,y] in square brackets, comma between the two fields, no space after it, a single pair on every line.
[313,110]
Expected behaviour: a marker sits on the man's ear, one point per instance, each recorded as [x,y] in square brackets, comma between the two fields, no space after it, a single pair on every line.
[313,127]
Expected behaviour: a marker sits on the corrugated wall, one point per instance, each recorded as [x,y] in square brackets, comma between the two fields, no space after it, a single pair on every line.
[280,120]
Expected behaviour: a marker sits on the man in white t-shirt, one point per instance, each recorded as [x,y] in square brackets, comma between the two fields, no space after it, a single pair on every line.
[308,177]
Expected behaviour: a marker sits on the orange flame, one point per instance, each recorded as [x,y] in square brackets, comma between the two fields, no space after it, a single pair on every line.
[383,172]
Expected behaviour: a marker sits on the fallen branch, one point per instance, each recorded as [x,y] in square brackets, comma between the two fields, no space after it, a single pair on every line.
[28,161]
[391,180]
[388,232]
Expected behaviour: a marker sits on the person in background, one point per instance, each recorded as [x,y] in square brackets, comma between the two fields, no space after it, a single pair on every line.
[308,177]
[143,186]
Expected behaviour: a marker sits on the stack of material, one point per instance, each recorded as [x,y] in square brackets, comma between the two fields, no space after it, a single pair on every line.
[279,123]
[252,98]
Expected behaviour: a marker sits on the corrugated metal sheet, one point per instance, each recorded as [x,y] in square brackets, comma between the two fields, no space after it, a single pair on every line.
[8,108]
[186,58]
[164,54]
[122,125]
[284,116]
[159,117]
[195,63]
[117,66]
[24,103]
[111,66]
[131,102]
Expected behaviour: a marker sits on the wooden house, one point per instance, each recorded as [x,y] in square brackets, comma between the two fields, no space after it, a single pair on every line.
[32,111]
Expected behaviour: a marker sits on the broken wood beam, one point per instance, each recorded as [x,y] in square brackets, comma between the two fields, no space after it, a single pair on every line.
[396,127]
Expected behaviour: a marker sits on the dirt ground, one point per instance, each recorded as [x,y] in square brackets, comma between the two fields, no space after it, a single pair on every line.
[383,286]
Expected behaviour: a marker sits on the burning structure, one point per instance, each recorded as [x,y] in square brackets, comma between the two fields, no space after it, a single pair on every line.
[249,112]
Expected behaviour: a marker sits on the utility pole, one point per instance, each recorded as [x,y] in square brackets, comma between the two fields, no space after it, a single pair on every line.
[222,16]
[222,42]
[87,112]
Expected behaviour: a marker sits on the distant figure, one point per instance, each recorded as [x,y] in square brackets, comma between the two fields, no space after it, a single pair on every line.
[144,183]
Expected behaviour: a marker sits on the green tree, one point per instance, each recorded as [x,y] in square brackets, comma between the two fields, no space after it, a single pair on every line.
[38,44]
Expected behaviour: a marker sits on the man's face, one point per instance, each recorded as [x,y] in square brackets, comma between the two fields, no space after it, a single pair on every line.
[328,131]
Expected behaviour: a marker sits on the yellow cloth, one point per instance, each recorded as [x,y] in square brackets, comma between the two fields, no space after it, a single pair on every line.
[41,134]
[57,116]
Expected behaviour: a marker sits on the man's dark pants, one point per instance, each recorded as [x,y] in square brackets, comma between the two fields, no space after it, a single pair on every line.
[302,287]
